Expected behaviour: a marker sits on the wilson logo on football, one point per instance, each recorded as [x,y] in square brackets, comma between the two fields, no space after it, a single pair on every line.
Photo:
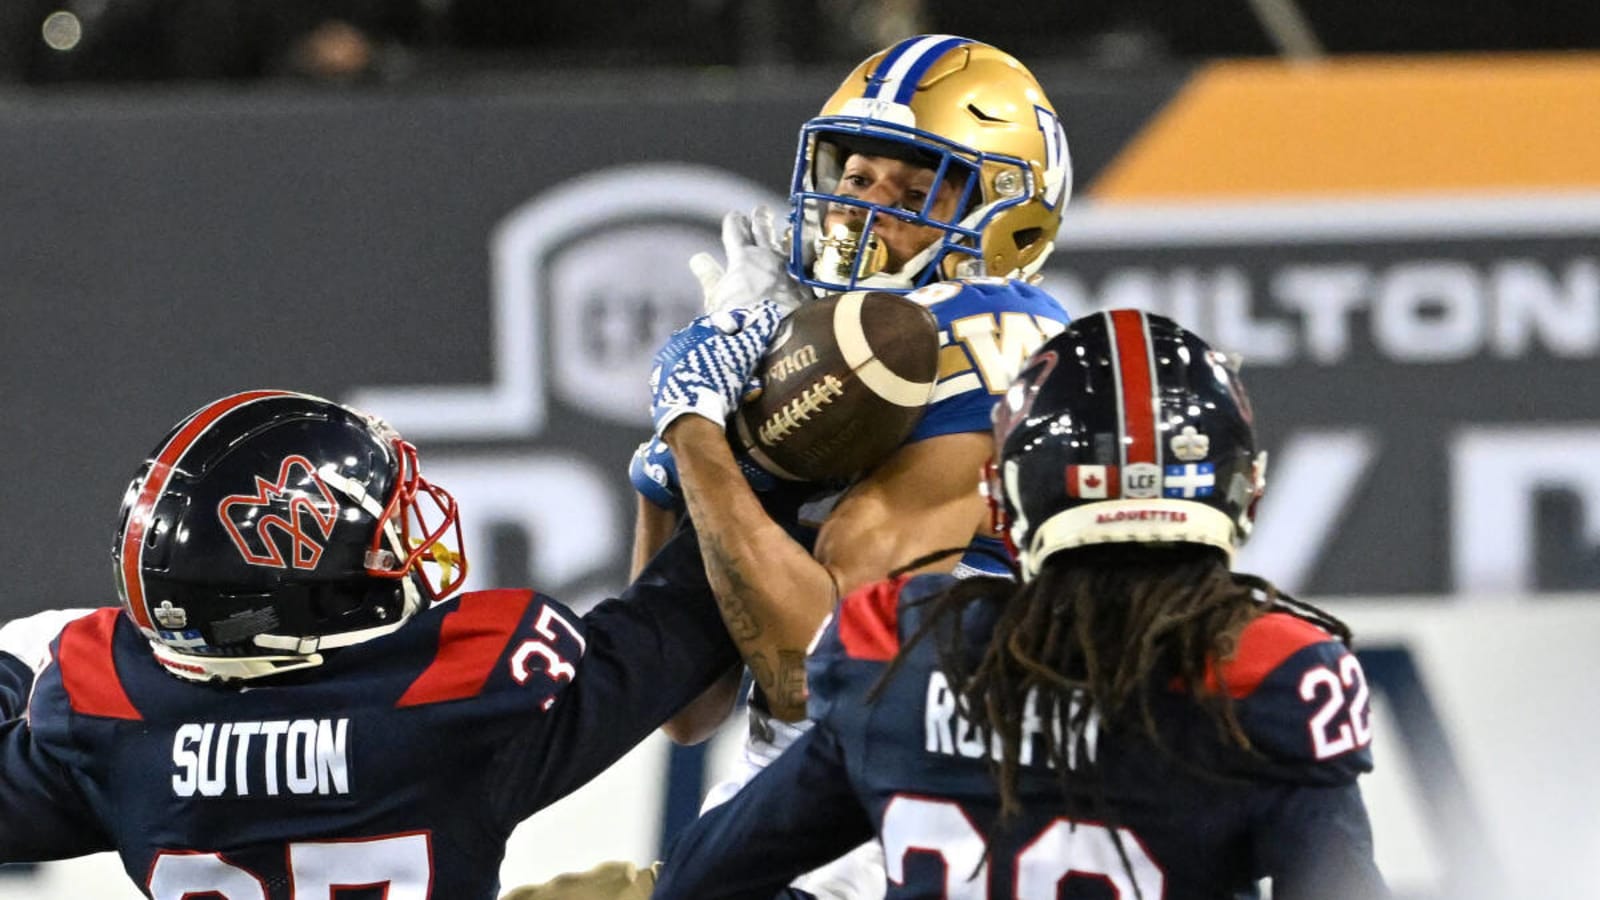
[297,505]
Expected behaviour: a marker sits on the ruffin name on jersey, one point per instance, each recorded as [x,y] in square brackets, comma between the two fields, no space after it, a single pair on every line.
[238,759]
[951,734]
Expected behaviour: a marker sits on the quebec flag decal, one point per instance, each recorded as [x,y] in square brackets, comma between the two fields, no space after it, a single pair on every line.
[1189,480]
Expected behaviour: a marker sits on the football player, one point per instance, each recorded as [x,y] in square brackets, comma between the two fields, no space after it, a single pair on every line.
[25,651]
[1130,718]
[938,169]
[283,707]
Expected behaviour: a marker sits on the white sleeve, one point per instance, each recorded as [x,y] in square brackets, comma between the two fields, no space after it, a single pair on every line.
[28,638]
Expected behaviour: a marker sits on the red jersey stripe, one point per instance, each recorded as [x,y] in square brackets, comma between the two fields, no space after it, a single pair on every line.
[1263,646]
[155,482]
[869,621]
[1137,383]
[472,639]
[87,670]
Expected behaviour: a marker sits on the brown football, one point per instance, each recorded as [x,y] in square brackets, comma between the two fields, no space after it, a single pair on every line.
[845,381]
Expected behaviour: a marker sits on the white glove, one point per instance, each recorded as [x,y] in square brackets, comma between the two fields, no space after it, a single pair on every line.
[757,266]
[708,367]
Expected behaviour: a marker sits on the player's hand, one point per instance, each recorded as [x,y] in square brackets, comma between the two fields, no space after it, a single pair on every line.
[708,367]
[654,474]
[757,266]
[607,881]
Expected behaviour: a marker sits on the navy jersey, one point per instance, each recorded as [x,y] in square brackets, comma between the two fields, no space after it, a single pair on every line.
[910,770]
[16,681]
[398,768]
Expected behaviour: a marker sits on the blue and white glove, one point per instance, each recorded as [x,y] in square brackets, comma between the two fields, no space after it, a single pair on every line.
[757,270]
[707,367]
[654,474]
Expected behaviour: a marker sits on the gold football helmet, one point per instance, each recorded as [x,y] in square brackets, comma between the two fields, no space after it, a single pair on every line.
[980,121]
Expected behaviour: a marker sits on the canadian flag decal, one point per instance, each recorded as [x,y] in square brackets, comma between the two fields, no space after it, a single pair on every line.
[1093,482]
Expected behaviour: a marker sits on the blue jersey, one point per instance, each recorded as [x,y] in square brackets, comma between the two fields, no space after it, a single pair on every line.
[1200,820]
[398,768]
[988,327]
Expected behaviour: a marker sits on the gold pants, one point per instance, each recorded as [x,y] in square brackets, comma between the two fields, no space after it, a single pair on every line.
[607,881]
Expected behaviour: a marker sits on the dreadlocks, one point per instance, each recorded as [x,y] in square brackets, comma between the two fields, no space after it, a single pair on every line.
[1098,632]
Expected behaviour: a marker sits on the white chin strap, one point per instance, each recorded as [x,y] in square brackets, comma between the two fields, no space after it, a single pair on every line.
[1029,271]
[192,667]
[302,652]
[1154,521]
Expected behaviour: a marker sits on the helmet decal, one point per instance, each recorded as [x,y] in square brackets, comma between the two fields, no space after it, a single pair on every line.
[1190,445]
[1123,429]
[308,500]
[1094,482]
[1057,164]
[130,552]
[271,527]
[1138,405]
[901,70]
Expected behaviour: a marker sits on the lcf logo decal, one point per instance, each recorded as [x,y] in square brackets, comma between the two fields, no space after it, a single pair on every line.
[297,504]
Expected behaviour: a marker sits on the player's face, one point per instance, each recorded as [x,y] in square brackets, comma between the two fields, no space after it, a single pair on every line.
[892,182]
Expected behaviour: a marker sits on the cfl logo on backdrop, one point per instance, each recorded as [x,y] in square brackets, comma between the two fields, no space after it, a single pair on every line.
[587,279]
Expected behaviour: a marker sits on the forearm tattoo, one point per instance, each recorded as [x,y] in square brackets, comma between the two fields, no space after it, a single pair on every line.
[732,589]
[791,681]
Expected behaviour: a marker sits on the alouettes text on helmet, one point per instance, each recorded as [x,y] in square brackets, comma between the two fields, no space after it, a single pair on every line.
[1124,428]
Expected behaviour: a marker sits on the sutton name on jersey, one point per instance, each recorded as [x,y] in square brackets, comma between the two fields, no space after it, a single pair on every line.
[233,759]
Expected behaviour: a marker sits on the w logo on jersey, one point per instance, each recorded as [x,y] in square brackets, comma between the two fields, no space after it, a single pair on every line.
[282,507]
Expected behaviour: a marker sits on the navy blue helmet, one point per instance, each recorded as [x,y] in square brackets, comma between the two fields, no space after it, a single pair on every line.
[269,527]
[1124,428]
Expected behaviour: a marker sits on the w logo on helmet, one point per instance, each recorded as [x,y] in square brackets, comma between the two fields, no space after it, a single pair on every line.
[297,498]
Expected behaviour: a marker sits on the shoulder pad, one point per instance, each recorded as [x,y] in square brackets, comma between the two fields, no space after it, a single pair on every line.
[86,664]
[861,637]
[1301,696]
[1263,646]
[979,292]
[987,329]
[868,621]
[500,640]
